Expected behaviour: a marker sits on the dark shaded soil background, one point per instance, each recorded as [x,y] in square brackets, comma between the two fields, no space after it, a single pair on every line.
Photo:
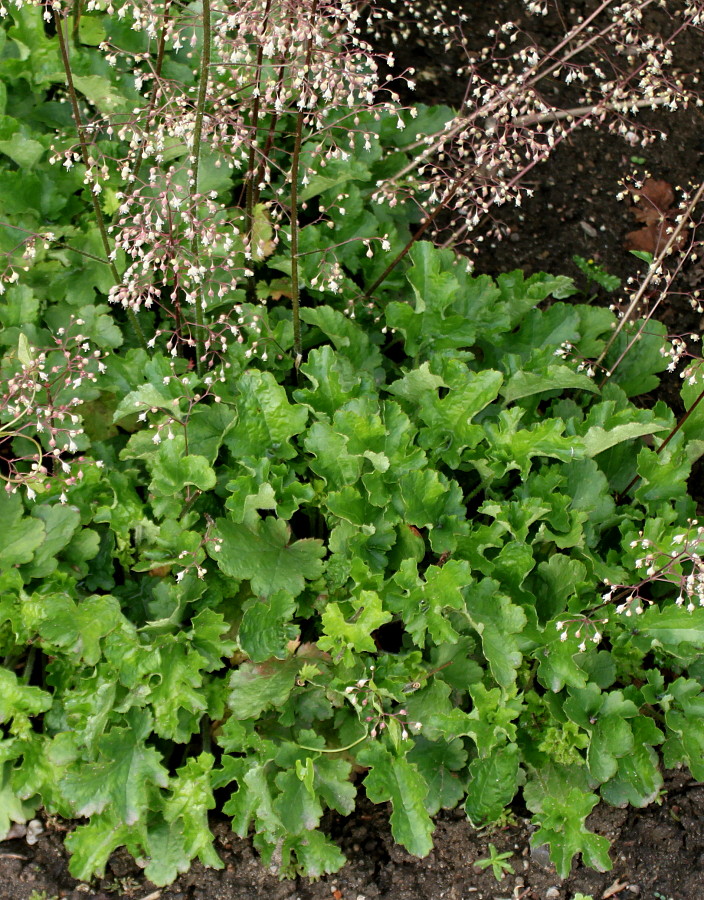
[658,852]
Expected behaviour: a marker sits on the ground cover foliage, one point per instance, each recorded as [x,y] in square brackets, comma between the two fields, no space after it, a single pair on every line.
[296,506]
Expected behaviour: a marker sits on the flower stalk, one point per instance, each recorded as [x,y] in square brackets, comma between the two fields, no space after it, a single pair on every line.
[195,156]
[80,128]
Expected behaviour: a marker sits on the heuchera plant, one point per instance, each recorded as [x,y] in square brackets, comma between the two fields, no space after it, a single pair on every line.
[311,509]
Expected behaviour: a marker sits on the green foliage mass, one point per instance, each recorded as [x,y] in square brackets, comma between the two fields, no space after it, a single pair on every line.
[380,571]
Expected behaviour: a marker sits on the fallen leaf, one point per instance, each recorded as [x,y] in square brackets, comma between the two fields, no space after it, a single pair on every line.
[653,201]
[653,207]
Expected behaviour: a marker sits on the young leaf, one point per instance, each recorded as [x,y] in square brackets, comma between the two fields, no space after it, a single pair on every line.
[346,635]
[91,845]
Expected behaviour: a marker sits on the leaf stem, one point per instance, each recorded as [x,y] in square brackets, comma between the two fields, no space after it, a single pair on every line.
[77,10]
[336,749]
[29,664]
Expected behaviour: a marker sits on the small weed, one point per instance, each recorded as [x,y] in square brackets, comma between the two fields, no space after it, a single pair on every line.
[597,273]
[498,862]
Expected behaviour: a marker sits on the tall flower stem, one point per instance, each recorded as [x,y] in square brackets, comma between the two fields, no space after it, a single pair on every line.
[251,165]
[80,128]
[295,163]
[295,294]
[664,444]
[77,10]
[249,202]
[195,156]
[264,155]
[655,269]
[158,66]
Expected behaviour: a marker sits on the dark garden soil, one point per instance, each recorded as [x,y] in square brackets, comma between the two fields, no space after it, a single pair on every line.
[658,852]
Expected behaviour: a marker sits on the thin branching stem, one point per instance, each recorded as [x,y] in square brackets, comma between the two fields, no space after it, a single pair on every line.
[82,139]
[427,222]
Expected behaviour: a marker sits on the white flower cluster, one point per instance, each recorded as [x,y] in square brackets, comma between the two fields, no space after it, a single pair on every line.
[678,562]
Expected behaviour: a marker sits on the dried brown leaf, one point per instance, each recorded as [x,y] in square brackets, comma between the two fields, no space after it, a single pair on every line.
[651,239]
[654,201]
[652,207]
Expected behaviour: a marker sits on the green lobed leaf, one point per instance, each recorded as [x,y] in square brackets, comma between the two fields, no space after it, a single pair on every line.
[353,633]
[554,378]
[441,764]
[266,420]
[92,845]
[423,604]
[20,536]
[257,687]
[266,627]
[493,782]
[392,778]
[265,556]
[20,701]
[173,469]
[78,629]
[122,779]
[562,825]
[497,621]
